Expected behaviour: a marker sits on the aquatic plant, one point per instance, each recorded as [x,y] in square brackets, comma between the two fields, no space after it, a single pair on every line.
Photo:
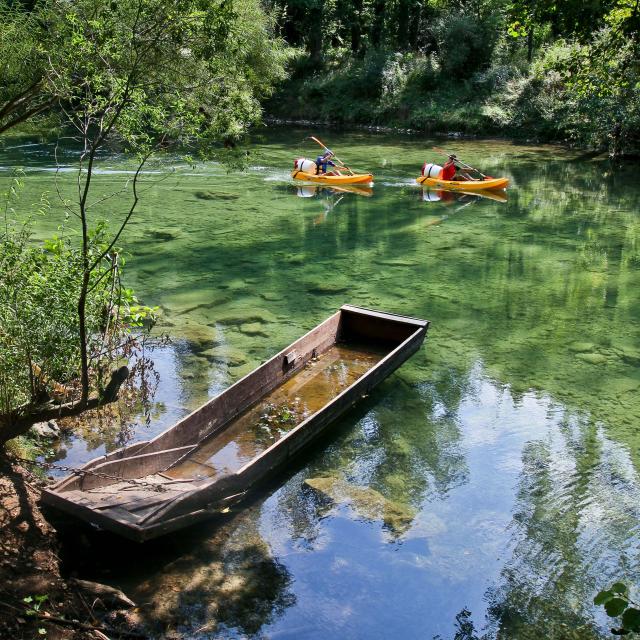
[282,416]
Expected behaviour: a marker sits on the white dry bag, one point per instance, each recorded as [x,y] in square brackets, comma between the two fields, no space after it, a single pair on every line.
[430,170]
[302,164]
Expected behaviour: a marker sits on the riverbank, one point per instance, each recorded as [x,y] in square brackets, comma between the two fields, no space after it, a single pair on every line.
[36,599]
[391,91]
[283,122]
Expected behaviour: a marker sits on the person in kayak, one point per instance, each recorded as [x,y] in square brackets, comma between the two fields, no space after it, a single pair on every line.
[452,171]
[324,161]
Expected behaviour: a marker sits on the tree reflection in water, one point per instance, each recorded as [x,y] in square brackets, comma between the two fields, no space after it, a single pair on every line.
[574,521]
[227,583]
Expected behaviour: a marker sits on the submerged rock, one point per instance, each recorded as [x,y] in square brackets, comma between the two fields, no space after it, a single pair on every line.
[581,347]
[366,502]
[244,316]
[396,262]
[164,236]
[270,296]
[253,329]
[327,288]
[216,195]
[294,259]
[225,355]
[592,358]
[628,356]
[242,370]
[49,429]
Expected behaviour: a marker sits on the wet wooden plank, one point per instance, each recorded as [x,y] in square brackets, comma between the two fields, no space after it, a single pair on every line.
[130,468]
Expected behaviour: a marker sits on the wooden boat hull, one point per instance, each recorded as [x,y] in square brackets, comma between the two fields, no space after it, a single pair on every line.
[360,178]
[118,491]
[464,185]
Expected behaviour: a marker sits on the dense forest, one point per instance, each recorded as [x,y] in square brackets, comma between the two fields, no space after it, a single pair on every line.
[564,71]
[539,69]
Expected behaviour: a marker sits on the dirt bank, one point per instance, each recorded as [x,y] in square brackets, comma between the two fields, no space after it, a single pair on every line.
[36,601]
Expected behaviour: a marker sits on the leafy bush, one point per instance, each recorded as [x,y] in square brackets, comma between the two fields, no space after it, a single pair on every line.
[39,331]
[585,93]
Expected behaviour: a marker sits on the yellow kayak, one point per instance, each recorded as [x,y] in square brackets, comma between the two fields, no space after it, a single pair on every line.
[359,178]
[464,185]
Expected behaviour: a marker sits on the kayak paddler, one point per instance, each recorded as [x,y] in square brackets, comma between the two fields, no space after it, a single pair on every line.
[453,171]
[323,161]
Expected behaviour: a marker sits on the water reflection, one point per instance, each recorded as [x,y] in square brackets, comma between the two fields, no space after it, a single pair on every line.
[464,197]
[331,197]
[213,580]
[574,522]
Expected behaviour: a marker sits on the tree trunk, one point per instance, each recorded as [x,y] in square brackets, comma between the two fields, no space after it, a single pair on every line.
[415,18]
[21,424]
[315,35]
[82,327]
[378,23]
[402,34]
[356,27]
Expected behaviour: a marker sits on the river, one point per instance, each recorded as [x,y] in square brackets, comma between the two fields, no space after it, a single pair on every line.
[506,449]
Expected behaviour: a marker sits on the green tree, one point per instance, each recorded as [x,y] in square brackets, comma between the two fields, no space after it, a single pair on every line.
[149,75]
[23,88]
[39,347]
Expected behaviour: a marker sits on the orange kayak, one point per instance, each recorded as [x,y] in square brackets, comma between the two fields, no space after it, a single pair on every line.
[464,185]
[358,178]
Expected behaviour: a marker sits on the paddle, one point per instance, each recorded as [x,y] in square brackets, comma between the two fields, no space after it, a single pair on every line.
[464,165]
[324,146]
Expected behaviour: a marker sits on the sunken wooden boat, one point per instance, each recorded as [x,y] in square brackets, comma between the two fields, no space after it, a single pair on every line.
[212,457]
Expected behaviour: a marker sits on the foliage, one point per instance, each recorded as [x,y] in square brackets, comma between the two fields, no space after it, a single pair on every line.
[618,604]
[22,64]
[388,89]
[142,74]
[39,287]
[188,67]
[589,94]
[34,606]
[465,44]
[557,71]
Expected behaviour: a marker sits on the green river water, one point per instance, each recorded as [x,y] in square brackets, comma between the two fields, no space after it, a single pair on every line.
[490,487]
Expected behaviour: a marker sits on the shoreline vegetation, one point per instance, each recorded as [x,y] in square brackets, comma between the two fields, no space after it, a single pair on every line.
[526,70]
[145,77]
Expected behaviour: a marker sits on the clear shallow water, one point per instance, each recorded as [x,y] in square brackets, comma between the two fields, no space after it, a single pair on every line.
[495,472]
